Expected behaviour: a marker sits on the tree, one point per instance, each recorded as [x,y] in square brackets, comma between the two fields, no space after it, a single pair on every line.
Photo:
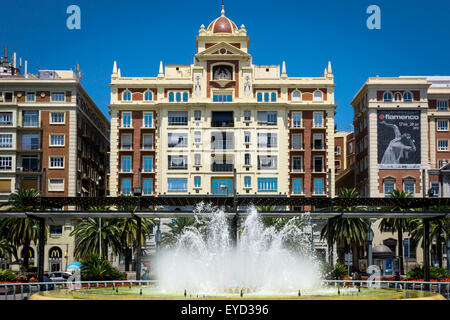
[7,249]
[438,231]
[396,225]
[87,237]
[21,231]
[350,232]
[176,228]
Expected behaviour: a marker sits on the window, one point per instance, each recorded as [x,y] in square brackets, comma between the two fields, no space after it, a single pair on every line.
[126,120]
[247,159]
[317,96]
[58,96]
[297,164]
[5,118]
[126,186]
[442,105]
[222,72]
[318,142]
[197,182]
[318,164]
[30,164]
[56,162]
[126,163]
[442,125]
[247,182]
[57,117]
[5,140]
[267,185]
[387,97]
[197,137]
[222,119]
[177,162]
[5,163]
[55,185]
[177,140]
[125,141]
[297,120]
[30,141]
[338,150]
[389,185]
[31,96]
[296,96]
[297,186]
[127,95]
[259,97]
[350,147]
[398,96]
[267,162]
[442,163]
[147,164]
[147,186]
[197,115]
[177,184]
[222,97]
[148,119]
[247,115]
[297,141]
[318,120]
[185,97]
[147,141]
[273,97]
[267,118]
[171,97]
[178,118]
[197,159]
[247,136]
[222,140]
[30,119]
[56,140]
[148,96]
[318,186]
[267,140]
[407,97]
[442,145]
[435,187]
[56,230]
[408,186]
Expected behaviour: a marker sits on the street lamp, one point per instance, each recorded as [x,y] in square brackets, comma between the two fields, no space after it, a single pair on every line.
[369,239]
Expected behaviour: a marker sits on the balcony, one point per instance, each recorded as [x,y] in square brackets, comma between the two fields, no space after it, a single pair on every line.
[297,124]
[318,146]
[222,167]
[29,147]
[222,124]
[28,169]
[319,125]
[147,147]
[298,169]
[222,119]
[178,121]
[318,169]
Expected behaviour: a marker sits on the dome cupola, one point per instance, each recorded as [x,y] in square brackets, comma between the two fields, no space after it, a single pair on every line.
[222,24]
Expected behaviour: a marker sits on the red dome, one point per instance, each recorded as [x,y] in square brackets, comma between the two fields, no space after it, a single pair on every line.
[222,25]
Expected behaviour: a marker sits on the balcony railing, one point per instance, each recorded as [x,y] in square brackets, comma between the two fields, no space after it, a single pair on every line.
[30,146]
[298,146]
[147,146]
[28,169]
[178,121]
[222,144]
[222,167]
[298,124]
[318,125]
[318,146]
[298,168]
[318,169]
[222,124]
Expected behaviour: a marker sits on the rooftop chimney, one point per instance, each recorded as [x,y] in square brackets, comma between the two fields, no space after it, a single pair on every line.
[6,54]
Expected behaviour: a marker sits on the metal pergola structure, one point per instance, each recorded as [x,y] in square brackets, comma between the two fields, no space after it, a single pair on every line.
[138,207]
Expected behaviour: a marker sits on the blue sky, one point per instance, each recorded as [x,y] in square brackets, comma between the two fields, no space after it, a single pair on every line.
[413,40]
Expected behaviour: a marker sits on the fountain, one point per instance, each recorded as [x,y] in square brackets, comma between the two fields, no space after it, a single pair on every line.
[272,262]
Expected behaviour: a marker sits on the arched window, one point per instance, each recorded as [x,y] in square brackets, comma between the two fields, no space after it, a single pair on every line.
[259,97]
[185,97]
[171,97]
[407,97]
[266,97]
[127,95]
[317,95]
[409,185]
[296,96]
[273,97]
[178,96]
[398,96]
[389,186]
[387,97]
[148,96]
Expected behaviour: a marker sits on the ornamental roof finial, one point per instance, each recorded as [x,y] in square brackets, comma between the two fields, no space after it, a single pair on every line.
[223,10]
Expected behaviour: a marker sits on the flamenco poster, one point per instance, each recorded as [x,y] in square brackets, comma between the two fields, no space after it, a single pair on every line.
[398,139]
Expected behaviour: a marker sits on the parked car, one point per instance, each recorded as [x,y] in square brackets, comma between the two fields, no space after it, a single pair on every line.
[59,276]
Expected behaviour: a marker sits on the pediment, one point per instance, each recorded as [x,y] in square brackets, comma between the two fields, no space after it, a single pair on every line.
[222,49]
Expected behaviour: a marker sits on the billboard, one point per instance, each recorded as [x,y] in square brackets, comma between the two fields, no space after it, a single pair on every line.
[398,139]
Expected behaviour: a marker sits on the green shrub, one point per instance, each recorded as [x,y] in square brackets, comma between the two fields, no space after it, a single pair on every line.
[339,272]
[435,273]
[95,269]
[7,275]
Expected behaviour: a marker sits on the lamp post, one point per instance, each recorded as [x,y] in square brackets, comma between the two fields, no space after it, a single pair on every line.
[369,239]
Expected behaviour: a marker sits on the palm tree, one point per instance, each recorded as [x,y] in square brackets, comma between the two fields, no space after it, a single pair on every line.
[438,231]
[396,225]
[21,231]
[348,232]
[87,237]
[7,249]
[176,228]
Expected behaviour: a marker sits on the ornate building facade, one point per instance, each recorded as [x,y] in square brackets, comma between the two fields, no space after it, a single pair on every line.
[222,125]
